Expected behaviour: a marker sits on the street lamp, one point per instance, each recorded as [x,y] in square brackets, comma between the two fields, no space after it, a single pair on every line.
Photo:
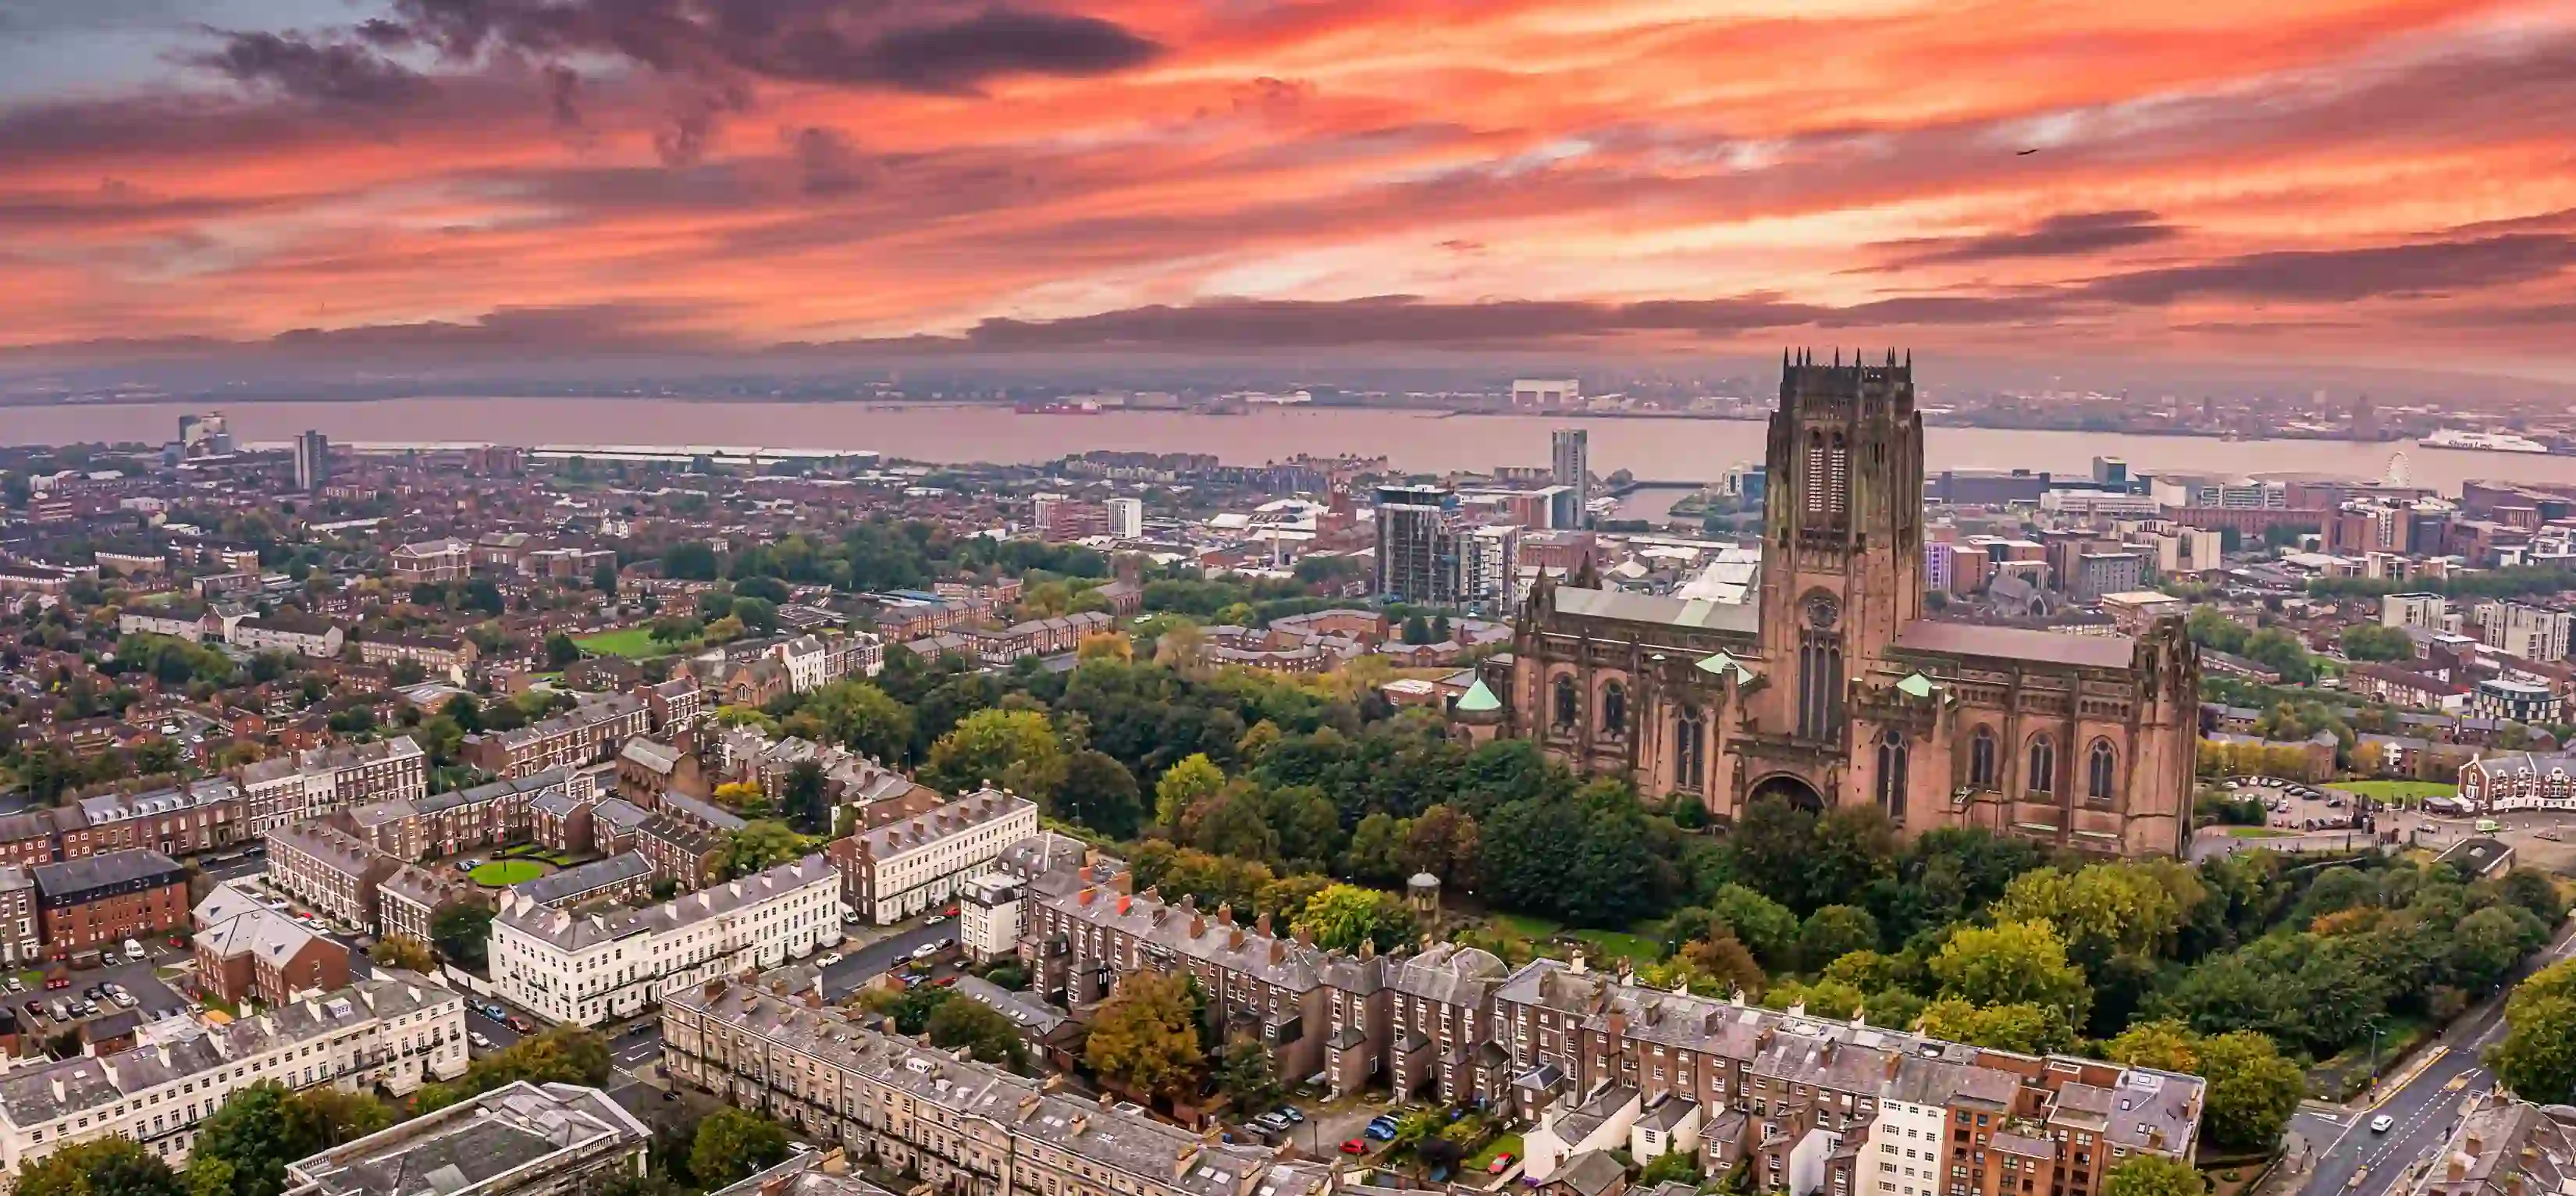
[2374,1053]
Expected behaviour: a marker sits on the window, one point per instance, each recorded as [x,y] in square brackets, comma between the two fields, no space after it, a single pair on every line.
[1690,750]
[2043,765]
[1891,774]
[1565,702]
[1981,759]
[2100,776]
[1614,709]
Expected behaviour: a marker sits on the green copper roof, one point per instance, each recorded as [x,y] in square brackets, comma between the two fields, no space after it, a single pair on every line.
[1722,664]
[1478,697]
[1915,685]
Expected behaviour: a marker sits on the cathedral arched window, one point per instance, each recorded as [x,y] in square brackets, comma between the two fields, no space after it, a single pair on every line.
[1614,709]
[2101,770]
[1811,474]
[1891,773]
[1566,701]
[1838,477]
[2043,765]
[1690,750]
[1981,759]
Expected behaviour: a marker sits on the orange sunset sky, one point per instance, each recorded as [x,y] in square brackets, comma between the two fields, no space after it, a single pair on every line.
[2381,181]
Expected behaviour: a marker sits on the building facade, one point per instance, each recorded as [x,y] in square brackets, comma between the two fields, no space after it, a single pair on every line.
[97,902]
[587,734]
[590,968]
[1830,688]
[311,784]
[522,1139]
[1418,549]
[891,872]
[397,1030]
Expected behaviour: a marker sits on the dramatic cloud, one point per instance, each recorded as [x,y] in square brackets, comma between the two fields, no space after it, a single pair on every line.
[324,72]
[2348,180]
[2075,234]
[920,45]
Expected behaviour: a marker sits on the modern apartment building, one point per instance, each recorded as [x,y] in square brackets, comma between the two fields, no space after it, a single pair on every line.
[1570,464]
[964,1127]
[523,1139]
[2427,611]
[591,968]
[1418,551]
[310,784]
[896,869]
[2530,632]
[398,1029]
[586,734]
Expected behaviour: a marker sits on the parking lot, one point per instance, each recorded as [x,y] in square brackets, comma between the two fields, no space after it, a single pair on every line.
[150,997]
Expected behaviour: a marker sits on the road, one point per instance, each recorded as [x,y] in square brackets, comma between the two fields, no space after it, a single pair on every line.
[2424,1110]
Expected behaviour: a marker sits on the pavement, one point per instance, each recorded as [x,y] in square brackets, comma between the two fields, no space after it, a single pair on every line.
[2423,1101]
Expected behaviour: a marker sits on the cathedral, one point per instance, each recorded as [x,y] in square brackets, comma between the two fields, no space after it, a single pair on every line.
[1827,686]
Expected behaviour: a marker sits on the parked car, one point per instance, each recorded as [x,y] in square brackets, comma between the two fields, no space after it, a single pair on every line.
[1502,1162]
[1354,1146]
[945,981]
[1290,1112]
[520,1024]
[1272,1122]
[123,1000]
[58,1009]
[496,1013]
[133,951]
[479,1042]
[34,1006]
[827,959]
[925,951]
[468,864]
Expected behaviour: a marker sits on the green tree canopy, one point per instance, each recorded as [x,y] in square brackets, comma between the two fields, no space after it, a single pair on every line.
[98,1167]
[1144,1037]
[462,931]
[734,1143]
[761,844]
[2153,1175]
[982,1029]
[1014,749]
[2010,963]
[1184,787]
[1342,917]
[1099,792]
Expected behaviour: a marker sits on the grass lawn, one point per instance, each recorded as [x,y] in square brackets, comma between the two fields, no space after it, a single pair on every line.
[634,642]
[1600,945]
[1476,1163]
[2398,791]
[502,873]
[2255,832]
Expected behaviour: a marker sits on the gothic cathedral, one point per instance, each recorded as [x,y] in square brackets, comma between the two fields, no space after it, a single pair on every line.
[1828,687]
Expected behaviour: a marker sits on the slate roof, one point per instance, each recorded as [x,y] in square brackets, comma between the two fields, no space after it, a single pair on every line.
[473,1142]
[570,933]
[587,878]
[2016,643]
[263,933]
[101,871]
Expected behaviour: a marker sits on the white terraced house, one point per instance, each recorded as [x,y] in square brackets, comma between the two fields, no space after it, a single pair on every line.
[397,1029]
[590,968]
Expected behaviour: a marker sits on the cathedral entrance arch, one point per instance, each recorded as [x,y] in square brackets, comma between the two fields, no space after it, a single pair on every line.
[1789,788]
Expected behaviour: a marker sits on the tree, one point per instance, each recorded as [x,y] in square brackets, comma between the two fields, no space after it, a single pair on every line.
[2370,641]
[1183,786]
[732,1144]
[250,1135]
[910,1008]
[862,716]
[1099,792]
[403,951]
[2008,963]
[761,844]
[2153,1175]
[1672,1166]
[1763,925]
[1248,1076]
[1835,931]
[1341,917]
[561,652]
[99,1167]
[982,1029]
[604,579]
[2537,1058]
[462,932]
[2025,1027]
[1143,1038]
[807,804]
[1015,749]
[2253,1091]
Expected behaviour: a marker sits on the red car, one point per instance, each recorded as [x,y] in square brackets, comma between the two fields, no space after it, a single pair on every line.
[951,911]
[945,981]
[520,1024]
[1354,1146]
[1501,1161]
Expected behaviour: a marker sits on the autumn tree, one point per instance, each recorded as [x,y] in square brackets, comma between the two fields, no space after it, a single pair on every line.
[1341,917]
[981,1029]
[403,951]
[2252,1092]
[759,846]
[1184,787]
[2537,1058]
[98,1167]
[733,1143]
[1143,1037]
[2011,963]
[1014,749]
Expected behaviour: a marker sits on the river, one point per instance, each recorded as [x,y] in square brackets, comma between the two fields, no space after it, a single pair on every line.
[1656,449]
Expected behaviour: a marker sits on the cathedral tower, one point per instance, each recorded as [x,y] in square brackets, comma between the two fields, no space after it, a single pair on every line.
[1842,560]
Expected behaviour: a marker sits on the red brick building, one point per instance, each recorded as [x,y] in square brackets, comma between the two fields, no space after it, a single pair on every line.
[102,900]
[265,955]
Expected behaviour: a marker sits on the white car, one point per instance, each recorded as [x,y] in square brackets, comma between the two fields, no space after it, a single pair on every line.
[2380,1124]
[479,1042]
[827,959]
[925,951]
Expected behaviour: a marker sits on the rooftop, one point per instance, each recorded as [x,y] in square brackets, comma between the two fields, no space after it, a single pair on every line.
[474,1147]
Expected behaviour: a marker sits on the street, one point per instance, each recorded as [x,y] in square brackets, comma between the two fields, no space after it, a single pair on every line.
[2425,1108]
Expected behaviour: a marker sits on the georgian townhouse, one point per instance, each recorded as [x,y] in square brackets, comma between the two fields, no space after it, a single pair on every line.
[893,870]
[590,968]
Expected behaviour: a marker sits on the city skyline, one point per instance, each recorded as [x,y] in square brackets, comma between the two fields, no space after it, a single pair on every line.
[2272,182]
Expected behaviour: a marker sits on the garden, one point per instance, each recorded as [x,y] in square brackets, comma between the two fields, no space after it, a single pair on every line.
[501,874]
[2404,793]
[532,851]
[634,643]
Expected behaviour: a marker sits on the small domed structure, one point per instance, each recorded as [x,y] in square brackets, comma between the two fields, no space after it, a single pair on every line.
[1477,715]
[1422,895]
